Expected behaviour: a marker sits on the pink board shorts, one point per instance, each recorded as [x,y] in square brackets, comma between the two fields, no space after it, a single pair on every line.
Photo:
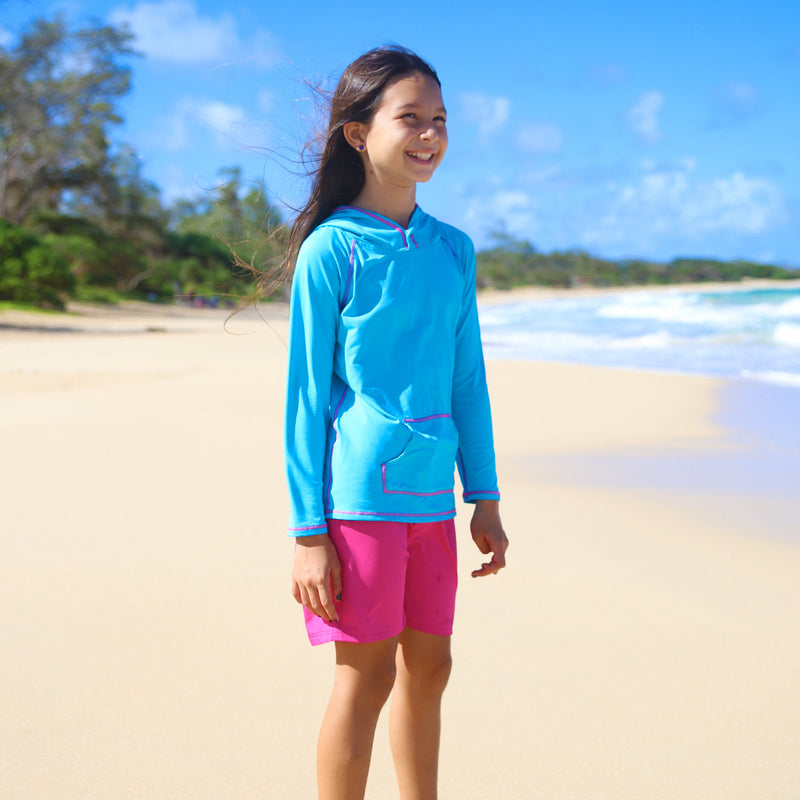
[394,575]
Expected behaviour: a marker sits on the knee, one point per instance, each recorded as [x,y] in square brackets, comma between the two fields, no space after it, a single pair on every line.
[431,677]
[375,685]
[439,674]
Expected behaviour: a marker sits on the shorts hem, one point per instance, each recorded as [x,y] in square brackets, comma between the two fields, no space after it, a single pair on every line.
[331,634]
[433,630]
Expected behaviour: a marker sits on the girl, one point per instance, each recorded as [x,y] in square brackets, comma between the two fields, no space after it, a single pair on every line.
[386,395]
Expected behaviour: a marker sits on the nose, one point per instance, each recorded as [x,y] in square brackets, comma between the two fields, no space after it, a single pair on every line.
[430,134]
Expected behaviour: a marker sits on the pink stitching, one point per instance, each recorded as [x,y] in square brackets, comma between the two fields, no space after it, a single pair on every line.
[333,444]
[378,217]
[460,459]
[480,491]
[413,494]
[308,528]
[450,247]
[425,419]
[350,271]
[388,513]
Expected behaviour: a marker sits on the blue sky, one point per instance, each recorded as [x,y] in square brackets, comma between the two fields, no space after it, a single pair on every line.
[627,129]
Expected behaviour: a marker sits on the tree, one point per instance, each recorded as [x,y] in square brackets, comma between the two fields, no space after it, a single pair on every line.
[58,91]
[30,270]
[242,220]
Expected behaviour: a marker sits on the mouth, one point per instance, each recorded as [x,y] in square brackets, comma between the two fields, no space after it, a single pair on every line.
[421,156]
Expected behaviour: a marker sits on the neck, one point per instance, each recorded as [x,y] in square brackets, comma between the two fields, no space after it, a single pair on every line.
[397,205]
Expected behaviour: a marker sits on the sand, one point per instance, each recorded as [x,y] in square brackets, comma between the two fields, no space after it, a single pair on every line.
[643,642]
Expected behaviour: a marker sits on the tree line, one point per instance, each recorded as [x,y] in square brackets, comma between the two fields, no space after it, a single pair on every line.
[79,220]
[77,217]
[515,262]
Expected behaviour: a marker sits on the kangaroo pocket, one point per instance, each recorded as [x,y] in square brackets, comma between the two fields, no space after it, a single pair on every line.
[426,466]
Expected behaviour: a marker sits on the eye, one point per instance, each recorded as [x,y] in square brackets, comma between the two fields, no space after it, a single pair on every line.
[440,119]
[410,114]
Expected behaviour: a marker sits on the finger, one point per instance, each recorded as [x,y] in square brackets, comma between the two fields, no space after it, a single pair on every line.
[482,544]
[489,568]
[305,599]
[296,592]
[336,582]
[325,603]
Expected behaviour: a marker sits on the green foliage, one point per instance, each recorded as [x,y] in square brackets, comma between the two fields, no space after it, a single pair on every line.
[30,270]
[97,294]
[514,262]
[242,219]
[99,225]
[58,95]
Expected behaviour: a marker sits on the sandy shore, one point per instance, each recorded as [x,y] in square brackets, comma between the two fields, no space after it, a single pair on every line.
[499,296]
[642,643]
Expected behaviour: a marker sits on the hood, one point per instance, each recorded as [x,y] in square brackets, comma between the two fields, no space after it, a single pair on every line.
[382,232]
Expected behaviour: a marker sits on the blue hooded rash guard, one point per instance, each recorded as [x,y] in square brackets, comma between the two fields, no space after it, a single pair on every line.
[386,382]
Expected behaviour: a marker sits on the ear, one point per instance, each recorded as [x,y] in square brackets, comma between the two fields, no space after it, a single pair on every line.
[356,134]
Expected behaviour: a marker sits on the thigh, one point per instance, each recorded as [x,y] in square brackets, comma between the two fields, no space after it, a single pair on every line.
[373,556]
[431,577]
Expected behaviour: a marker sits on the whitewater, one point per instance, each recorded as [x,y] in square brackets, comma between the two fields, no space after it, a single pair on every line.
[737,332]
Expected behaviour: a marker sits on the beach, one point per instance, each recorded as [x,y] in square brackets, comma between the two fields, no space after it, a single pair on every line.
[642,643]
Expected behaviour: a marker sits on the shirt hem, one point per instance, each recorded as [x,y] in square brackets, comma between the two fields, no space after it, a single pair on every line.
[436,516]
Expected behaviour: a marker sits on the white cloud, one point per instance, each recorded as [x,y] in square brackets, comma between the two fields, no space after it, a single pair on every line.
[487,112]
[175,31]
[228,124]
[6,37]
[510,207]
[671,203]
[643,116]
[225,121]
[540,137]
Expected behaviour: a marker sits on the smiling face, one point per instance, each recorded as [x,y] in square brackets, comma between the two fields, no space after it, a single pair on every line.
[407,138]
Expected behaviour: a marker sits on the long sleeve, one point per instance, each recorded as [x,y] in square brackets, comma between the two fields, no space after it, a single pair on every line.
[471,409]
[313,321]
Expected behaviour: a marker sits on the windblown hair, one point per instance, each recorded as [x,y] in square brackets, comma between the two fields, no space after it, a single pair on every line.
[337,172]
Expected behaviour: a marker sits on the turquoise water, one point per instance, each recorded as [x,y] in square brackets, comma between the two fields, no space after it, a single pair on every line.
[733,333]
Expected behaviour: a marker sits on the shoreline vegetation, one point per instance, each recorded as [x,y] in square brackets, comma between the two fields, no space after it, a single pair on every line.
[55,259]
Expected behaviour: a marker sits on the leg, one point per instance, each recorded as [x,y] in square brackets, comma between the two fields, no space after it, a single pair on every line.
[364,677]
[423,667]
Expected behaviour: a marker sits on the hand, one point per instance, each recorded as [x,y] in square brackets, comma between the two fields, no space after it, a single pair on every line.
[488,534]
[317,575]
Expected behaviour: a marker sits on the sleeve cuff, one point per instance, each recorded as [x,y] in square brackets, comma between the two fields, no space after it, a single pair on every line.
[479,494]
[307,530]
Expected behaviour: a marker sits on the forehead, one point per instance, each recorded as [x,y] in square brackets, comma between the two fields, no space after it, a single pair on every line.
[412,90]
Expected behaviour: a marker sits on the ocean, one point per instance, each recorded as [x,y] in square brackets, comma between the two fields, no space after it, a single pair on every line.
[750,334]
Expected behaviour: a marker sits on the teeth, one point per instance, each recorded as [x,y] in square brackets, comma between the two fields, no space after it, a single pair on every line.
[422,156]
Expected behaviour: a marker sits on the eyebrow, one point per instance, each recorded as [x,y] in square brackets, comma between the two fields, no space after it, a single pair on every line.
[412,106]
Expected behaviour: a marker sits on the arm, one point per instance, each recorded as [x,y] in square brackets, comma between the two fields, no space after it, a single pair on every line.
[313,321]
[471,410]
[473,418]
[316,572]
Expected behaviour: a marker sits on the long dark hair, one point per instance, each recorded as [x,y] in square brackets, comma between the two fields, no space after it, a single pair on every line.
[335,168]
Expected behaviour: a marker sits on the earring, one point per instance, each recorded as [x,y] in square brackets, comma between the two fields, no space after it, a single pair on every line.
[361,147]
